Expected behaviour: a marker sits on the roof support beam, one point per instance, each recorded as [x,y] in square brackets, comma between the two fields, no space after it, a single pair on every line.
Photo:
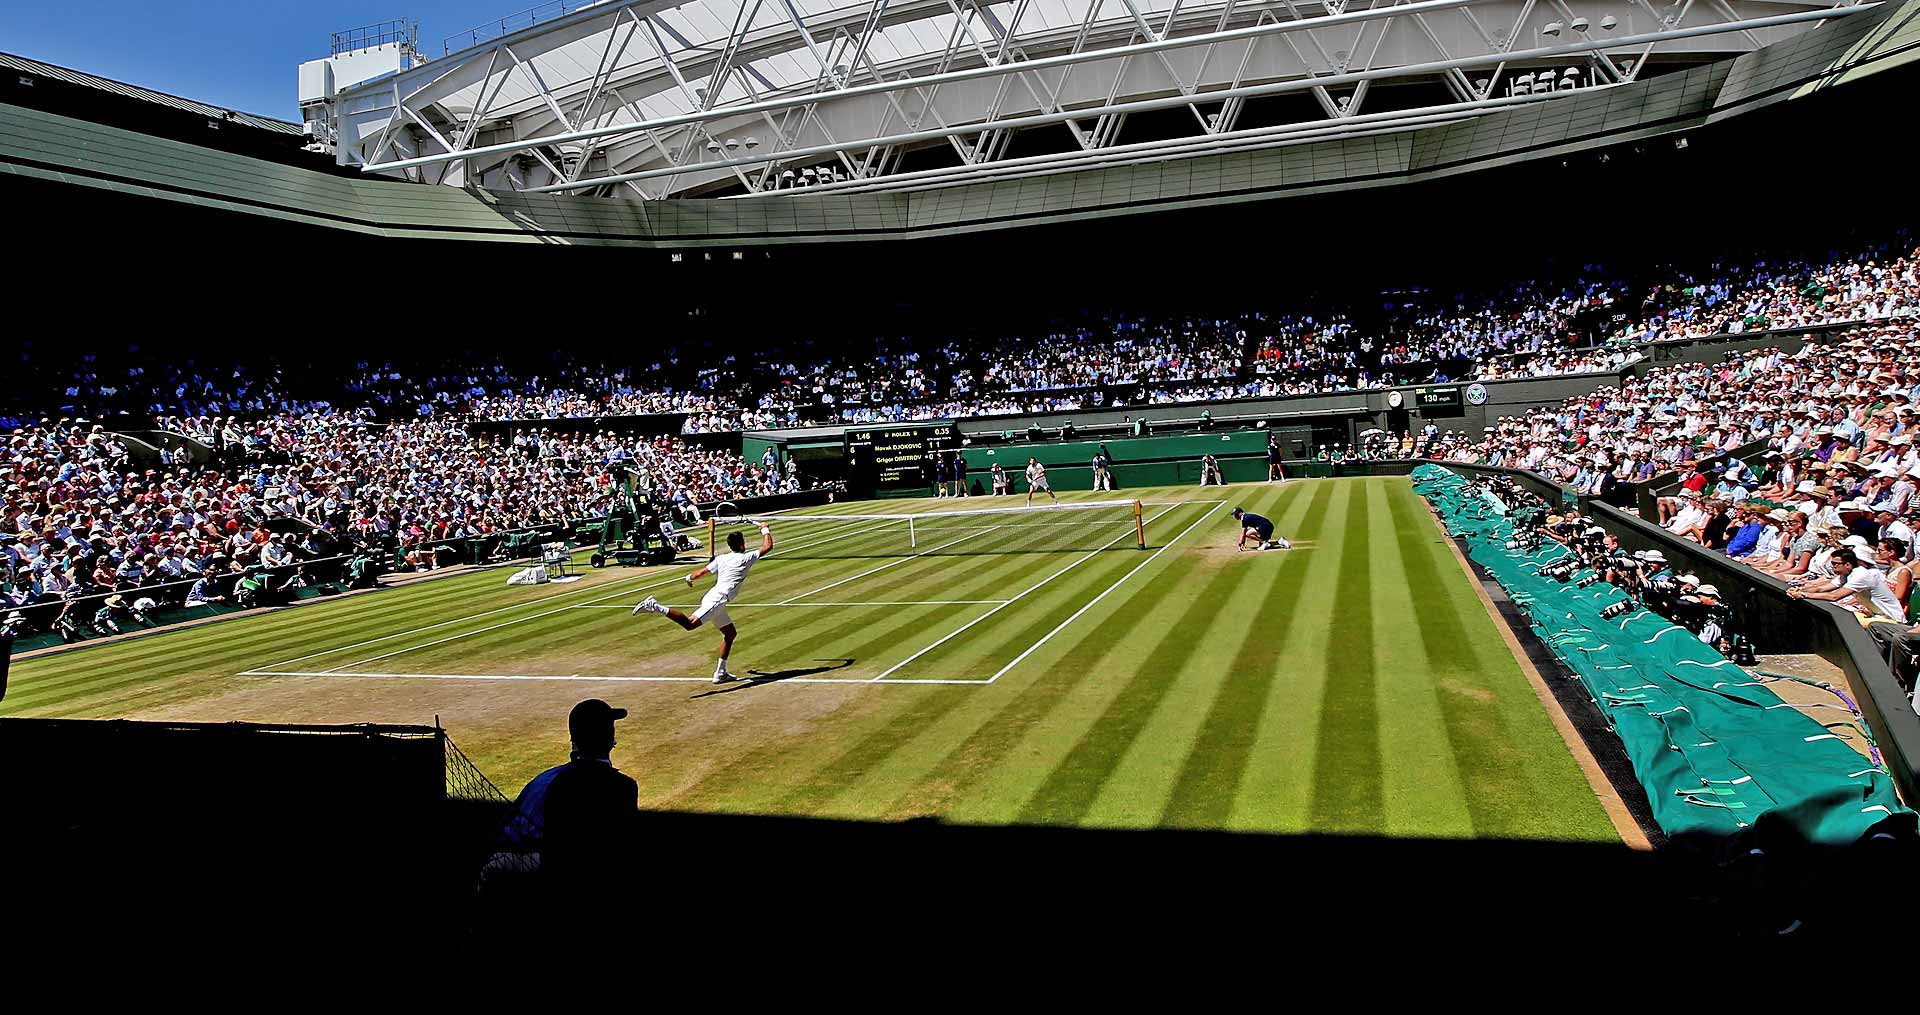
[1580,47]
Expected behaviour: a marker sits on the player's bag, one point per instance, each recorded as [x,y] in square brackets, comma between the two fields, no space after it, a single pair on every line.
[535,575]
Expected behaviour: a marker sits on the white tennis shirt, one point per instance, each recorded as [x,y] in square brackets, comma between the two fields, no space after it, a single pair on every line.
[730,571]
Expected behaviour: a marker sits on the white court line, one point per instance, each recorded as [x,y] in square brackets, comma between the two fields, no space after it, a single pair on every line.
[883,567]
[477,616]
[488,613]
[1076,616]
[1023,594]
[740,606]
[335,671]
[745,679]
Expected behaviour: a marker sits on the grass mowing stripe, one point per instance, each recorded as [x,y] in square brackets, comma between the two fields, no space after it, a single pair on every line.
[1069,790]
[1512,782]
[1423,792]
[526,637]
[957,778]
[1040,611]
[67,678]
[815,787]
[1346,772]
[1204,792]
[746,785]
[1002,725]
[871,751]
[1073,785]
[830,634]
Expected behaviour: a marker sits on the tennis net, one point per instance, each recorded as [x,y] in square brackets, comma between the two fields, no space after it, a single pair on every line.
[1084,526]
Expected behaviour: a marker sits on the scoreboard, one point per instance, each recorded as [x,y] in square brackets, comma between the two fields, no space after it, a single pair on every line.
[897,457]
[1439,401]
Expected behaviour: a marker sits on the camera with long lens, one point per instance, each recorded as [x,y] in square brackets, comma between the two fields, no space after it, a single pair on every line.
[1588,582]
[1618,609]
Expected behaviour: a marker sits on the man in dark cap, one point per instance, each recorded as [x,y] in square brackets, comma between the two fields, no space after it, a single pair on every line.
[591,810]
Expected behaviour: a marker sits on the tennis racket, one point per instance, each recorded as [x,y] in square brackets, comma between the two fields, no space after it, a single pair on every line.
[728,511]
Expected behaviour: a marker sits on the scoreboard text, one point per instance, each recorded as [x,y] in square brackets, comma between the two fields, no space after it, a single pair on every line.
[897,457]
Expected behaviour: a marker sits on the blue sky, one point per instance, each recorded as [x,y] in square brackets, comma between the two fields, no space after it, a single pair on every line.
[240,55]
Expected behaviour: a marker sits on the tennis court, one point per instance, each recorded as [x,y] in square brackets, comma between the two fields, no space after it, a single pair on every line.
[1039,668]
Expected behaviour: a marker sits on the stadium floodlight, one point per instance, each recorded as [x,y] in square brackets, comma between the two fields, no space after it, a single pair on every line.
[1552,29]
[713,146]
[1607,23]
[1579,24]
[752,142]
[733,144]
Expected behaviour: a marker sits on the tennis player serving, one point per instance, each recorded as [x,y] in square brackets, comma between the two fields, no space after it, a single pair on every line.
[730,570]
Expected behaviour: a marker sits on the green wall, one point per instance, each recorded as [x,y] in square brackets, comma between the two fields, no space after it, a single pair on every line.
[1147,461]
[751,448]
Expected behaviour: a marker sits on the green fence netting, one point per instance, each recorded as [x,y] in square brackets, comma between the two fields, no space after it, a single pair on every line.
[1718,754]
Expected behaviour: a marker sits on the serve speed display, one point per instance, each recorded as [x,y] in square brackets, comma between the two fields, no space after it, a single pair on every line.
[1438,401]
[897,457]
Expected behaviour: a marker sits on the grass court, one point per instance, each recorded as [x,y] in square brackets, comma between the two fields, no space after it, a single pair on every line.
[1041,670]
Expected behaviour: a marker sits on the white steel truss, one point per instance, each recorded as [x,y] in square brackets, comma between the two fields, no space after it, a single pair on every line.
[651,98]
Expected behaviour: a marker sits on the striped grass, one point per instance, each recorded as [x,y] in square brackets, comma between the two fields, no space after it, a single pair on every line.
[1354,684]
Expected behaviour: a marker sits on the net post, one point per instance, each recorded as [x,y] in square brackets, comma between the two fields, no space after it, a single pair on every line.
[1139,525]
[713,529]
[912,540]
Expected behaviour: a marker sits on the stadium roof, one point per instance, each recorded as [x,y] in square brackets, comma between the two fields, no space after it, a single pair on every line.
[656,98]
[24,65]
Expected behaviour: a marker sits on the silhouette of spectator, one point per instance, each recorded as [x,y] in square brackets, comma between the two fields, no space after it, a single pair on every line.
[590,812]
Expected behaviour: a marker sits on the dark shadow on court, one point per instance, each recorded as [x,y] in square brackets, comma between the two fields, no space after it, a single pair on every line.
[755,678]
[323,835]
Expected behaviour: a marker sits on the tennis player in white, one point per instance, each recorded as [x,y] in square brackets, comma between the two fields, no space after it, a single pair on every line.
[1037,480]
[731,569]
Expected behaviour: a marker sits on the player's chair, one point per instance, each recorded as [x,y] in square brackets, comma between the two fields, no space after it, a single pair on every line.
[557,559]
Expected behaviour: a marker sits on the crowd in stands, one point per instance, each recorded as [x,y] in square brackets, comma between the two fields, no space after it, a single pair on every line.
[1595,323]
[78,520]
[381,450]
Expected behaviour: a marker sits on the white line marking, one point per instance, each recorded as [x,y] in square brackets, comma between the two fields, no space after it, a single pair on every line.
[489,613]
[477,616]
[1090,604]
[588,679]
[1090,555]
[738,606]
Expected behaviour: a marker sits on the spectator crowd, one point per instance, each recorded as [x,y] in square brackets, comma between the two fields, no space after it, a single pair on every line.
[314,461]
[1593,323]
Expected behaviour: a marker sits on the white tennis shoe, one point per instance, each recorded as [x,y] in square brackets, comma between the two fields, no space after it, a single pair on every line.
[648,605]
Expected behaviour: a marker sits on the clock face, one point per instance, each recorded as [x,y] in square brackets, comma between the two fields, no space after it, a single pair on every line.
[1394,398]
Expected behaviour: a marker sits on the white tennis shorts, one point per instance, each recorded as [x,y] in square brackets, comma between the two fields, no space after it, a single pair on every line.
[713,610]
[1041,484]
